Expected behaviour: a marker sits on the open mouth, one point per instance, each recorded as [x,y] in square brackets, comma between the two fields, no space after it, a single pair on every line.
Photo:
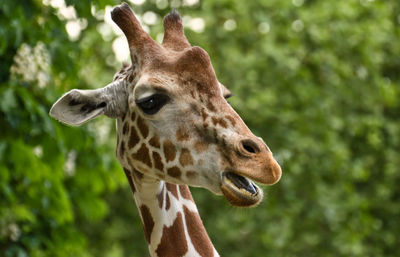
[239,190]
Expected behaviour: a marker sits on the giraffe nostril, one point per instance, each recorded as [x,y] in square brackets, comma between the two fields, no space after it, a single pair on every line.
[250,146]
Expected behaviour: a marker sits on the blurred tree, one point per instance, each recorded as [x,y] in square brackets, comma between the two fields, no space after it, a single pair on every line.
[52,177]
[318,80]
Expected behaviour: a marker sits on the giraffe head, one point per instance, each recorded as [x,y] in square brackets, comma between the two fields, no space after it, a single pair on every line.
[173,120]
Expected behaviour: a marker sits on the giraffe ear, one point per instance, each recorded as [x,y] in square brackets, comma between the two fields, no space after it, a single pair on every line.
[79,106]
[226,93]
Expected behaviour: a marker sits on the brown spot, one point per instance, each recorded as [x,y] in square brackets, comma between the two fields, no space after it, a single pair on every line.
[144,130]
[172,188]
[185,158]
[173,242]
[215,132]
[210,106]
[174,172]
[231,119]
[167,202]
[130,180]
[125,128]
[191,174]
[202,88]
[169,150]
[134,138]
[122,148]
[160,197]
[223,123]
[157,161]
[192,94]
[185,192]
[133,116]
[200,146]
[214,121]
[155,141]
[197,233]
[124,117]
[204,115]
[219,121]
[143,155]
[148,222]
[182,134]
[130,77]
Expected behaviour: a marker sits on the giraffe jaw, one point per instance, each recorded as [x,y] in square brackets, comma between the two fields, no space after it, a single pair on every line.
[239,190]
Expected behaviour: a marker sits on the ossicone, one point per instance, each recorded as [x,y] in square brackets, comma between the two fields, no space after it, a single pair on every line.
[174,37]
[138,40]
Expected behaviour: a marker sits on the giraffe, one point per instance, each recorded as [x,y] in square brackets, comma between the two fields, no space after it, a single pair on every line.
[174,129]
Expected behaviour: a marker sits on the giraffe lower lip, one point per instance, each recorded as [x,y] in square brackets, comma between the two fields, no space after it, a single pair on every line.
[239,190]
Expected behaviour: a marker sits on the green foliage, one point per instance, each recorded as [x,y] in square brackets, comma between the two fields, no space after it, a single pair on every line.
[52,177]
[318,80]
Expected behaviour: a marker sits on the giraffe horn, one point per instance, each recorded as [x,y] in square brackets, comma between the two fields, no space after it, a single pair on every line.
[174,37]
[138,40]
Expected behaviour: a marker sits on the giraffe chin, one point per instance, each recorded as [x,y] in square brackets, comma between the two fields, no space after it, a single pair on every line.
[240,191]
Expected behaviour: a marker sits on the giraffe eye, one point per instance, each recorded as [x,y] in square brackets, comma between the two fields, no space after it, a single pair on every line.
[152,104]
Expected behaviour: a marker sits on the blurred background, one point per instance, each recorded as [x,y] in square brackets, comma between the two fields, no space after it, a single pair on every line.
[318,80]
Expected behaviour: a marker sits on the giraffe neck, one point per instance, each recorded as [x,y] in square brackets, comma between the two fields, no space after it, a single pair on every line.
[171,222]
[170,219]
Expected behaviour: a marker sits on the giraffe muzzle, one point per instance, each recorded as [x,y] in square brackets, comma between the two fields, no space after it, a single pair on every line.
[239,190]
